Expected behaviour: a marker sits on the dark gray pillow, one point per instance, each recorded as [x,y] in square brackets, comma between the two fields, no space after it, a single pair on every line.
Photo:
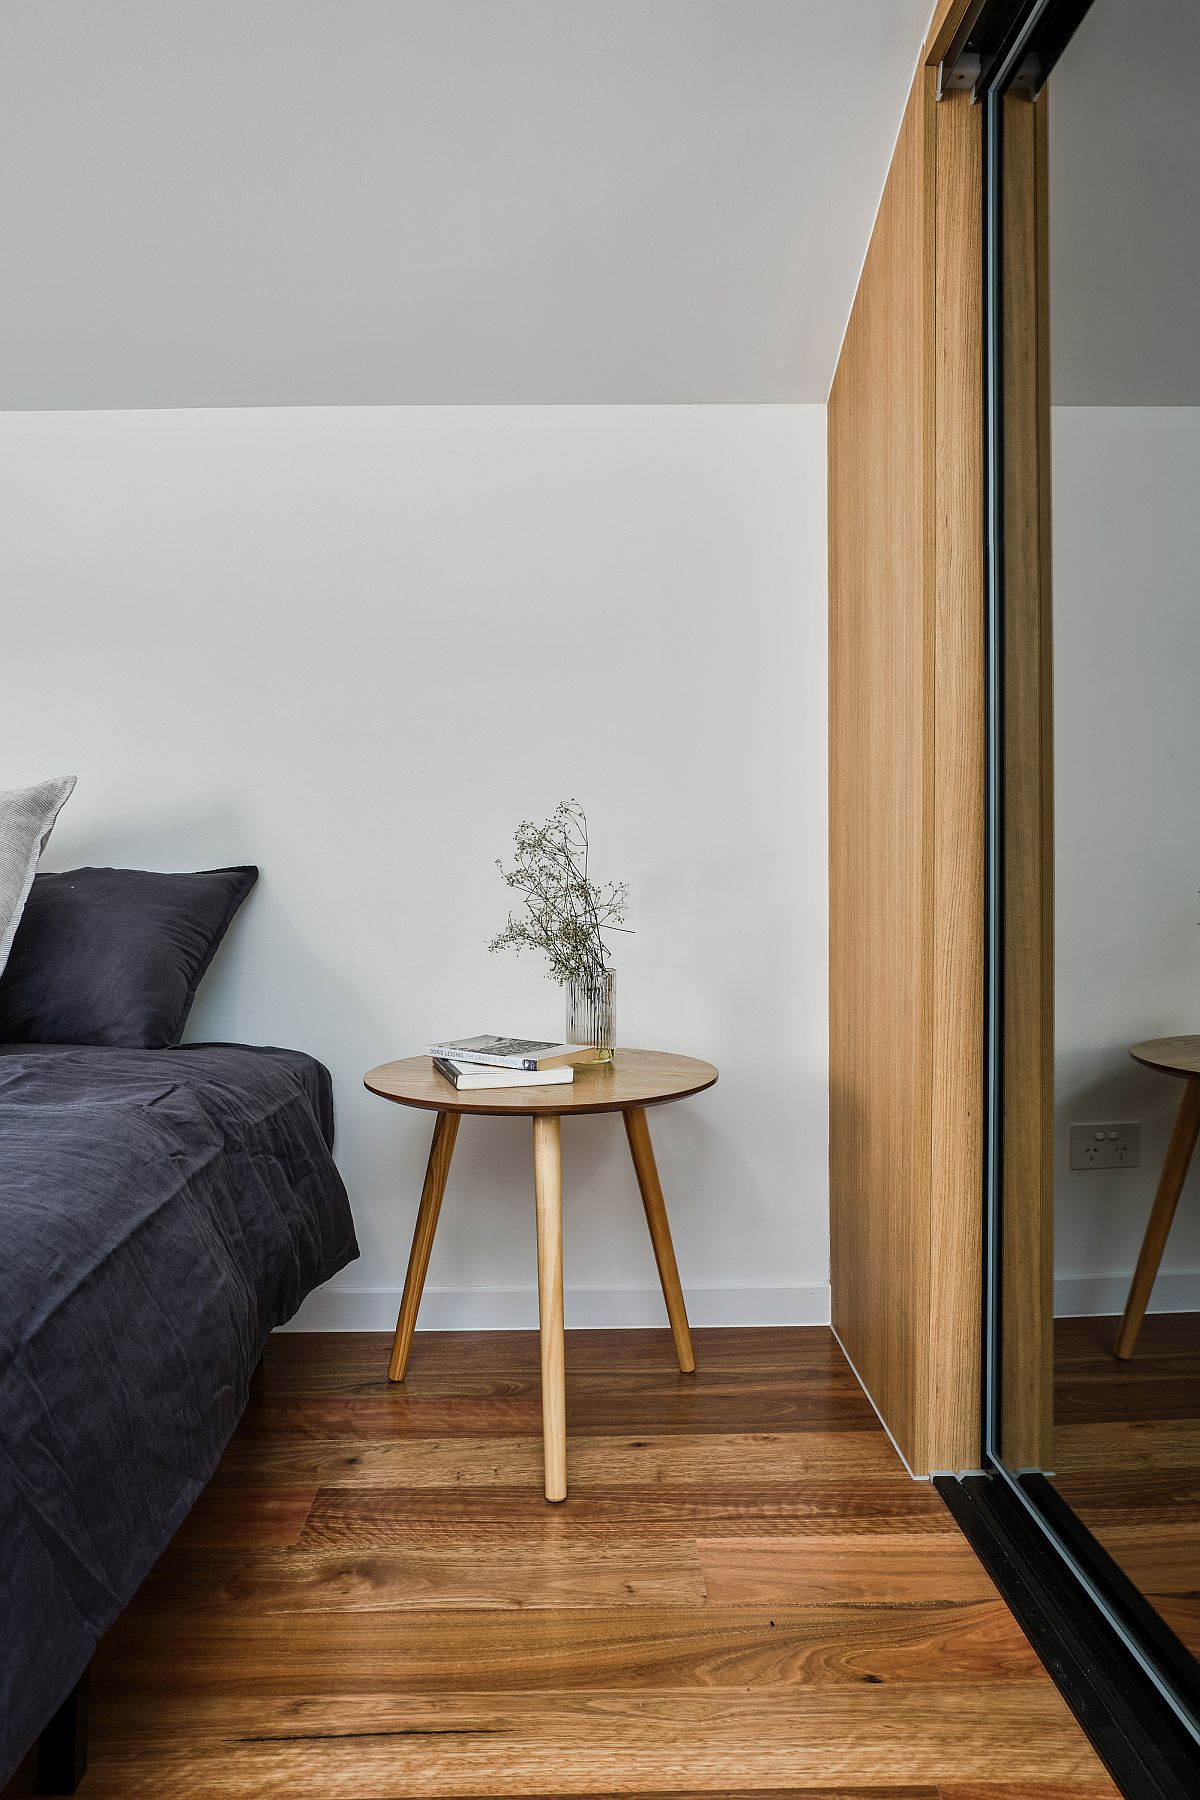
[114,956]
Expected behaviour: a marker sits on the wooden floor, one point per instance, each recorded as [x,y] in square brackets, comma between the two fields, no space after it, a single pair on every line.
[743,1595]
[1127,1453]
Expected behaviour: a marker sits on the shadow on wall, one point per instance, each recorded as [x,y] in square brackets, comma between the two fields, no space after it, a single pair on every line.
[144,838]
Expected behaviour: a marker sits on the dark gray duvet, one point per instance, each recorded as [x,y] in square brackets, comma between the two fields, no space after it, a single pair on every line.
[160,1211]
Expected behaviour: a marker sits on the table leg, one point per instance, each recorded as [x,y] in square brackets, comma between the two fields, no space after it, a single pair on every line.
[1170,1186]
[642,1150]
[547,1177]
[437,1169]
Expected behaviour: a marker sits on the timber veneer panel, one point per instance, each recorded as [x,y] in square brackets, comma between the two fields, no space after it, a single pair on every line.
[906,795]
[878,850]
[1028,1125]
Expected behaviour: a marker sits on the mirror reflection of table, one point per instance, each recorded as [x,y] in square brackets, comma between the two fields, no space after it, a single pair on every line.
[1178,1056]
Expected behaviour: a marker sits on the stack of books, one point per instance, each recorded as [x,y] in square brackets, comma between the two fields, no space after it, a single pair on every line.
[508,1062]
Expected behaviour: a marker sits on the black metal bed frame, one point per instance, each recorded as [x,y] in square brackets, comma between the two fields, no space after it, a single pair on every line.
[62,1745]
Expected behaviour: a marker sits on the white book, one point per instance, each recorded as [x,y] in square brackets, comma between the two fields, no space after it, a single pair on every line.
[478,1075]
[512,1052]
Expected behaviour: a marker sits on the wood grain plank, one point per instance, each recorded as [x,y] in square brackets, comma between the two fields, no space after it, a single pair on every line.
[1091,1338]
[1127,1444]
[1161,1559]
[246,1517]
[1133,1497]
[1099,1788]
[448,1651]
[342,1518]
[665,1405]
[375,1747]
[23,1787]
[481,1570]
[1127,1451]
[893,1570]
[648,1461]
[1155,1394]
[1182,1613]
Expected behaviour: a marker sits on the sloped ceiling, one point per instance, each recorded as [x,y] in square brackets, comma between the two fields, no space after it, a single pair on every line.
[278,202]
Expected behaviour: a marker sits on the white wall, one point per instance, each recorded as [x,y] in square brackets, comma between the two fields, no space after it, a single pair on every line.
[1125,226]
[302,637]
[1127,777]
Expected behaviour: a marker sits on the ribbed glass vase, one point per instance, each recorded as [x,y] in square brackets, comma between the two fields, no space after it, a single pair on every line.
[590,1014]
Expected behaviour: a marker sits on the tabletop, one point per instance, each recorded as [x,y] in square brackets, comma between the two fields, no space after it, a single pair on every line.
[1173,1055]
[633,1078]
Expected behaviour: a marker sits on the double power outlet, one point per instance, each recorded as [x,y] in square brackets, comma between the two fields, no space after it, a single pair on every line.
[1106,1146]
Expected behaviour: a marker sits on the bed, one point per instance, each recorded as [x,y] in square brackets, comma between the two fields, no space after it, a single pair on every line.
[160,1212]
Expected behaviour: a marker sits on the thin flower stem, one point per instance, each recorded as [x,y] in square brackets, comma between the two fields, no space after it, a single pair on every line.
[565,914]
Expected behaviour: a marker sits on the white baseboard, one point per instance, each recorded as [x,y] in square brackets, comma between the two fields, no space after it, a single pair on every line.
[515,1309]
[1089,1296]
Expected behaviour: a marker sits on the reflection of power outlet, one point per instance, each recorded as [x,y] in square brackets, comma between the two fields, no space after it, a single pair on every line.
[1106,1146]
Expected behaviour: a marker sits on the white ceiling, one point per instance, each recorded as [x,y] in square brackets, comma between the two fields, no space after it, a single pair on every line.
[277,202]
[1125,207]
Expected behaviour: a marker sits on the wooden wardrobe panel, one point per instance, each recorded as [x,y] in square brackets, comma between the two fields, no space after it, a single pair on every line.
[880,861]
[958,755]
[906,796]
[1028,1249]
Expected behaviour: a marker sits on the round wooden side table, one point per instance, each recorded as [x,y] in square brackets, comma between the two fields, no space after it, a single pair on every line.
[1172,1056]
[634,1080]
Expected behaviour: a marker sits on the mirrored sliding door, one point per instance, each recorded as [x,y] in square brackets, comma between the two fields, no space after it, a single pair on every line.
[1093,231]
